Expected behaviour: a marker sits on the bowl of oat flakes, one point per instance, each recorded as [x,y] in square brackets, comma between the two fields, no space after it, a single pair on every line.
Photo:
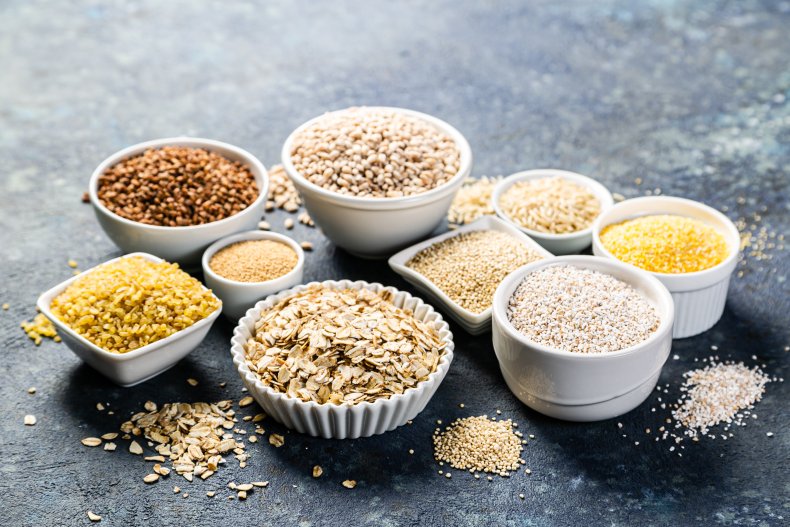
[376,179]
[342,359]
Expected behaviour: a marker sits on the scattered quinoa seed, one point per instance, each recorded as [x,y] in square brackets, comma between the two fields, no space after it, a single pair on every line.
[349,483]
[30,420]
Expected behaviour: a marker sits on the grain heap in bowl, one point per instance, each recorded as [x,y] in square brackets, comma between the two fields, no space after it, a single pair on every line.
[553,205]
[254,261]
[341,346]
[666,243]
[569,308]
[469,267]
[177,186]
[124,305]
[374,153]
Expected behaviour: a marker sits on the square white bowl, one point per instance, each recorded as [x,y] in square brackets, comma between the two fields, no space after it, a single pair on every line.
[473,323]
[133,367]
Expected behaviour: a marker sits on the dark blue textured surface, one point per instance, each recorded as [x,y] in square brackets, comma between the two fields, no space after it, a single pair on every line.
[690,97]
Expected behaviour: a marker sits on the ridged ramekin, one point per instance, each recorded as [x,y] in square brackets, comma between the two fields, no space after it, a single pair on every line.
[700,296]
[343,421]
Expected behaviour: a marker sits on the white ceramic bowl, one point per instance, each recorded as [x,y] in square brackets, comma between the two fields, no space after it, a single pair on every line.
[474,323]
[376,227]
[343,421]
[569,243]
[178,244]
[238,297]
[134,367]
[577,386]
[699,297]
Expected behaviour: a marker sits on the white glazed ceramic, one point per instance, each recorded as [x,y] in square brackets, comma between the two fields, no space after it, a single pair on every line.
[343,421]
[576,386]
[134,367]
[238,297]
[569,243]
[699,297]
[473,323]
[376,227]
[178,244]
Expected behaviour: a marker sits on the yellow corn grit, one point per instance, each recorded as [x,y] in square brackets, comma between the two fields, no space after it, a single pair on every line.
[666,243]
[132,302]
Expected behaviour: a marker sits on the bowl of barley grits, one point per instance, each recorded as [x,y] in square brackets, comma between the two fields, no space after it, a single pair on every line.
[581,338]
[376,178]
[342,359]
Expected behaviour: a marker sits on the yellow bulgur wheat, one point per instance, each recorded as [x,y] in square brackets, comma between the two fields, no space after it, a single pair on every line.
[127,304]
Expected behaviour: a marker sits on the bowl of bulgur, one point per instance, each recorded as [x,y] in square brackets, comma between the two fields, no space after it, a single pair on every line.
[174,197]
[581,338]
[556,208]
[246,267]
[342,359]
[688,246]
[131,317]
[376,178]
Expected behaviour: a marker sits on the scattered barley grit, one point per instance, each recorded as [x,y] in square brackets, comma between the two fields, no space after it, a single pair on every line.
[479,444]
[341,346]
[553,205]
[580,310]
[131,302]
[254,261]
[468,267]
[376,153]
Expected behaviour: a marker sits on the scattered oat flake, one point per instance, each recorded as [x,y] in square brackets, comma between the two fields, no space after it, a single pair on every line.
[91,441]
[150,406]
[192,382]
[92,516]
[100,407]
[277,440]
[150,478]
[210,493]
[30,420]
[260,483]
[31,390]
[135,448]
[176,489]
[349,483]
[246,401]
[109,436]
[110,447]
[317,471]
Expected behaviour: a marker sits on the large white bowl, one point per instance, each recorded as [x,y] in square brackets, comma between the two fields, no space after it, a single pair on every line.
[376,227]
[133,367]
[238,297]
[700,296]
[580,386]
[344,420]
[178,244]
[569,243]
[473,323]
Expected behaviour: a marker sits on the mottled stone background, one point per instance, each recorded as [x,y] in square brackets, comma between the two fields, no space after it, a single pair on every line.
[689,97]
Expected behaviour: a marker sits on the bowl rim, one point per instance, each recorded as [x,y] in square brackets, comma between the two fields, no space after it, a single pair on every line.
[733,233]
[635,274]
[220,244]
[464,168]
[252,316]
[45,301]
[257,169]
[397,262]
[597,188]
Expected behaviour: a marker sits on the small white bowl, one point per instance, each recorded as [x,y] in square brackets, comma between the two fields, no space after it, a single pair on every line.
[238,297]
[580,386]
[133,367]
[473,323]
[700,296]
[343,421]
[178,244]
[375,227]
[569,243]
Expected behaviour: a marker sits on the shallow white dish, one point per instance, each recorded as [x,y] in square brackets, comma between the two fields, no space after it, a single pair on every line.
[178,244]
[699,297]
[474,323]
[375,227]
[343,421]
[577,386]
[134,367]
[238,297]
[569,243]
